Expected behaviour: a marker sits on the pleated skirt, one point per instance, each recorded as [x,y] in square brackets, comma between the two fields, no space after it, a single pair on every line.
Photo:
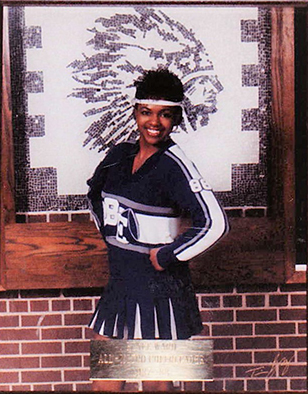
[164,310]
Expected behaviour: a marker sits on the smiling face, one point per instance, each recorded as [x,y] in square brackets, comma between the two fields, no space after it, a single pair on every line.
[155,123]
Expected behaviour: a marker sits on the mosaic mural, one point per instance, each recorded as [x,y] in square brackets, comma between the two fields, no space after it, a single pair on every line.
[119,46]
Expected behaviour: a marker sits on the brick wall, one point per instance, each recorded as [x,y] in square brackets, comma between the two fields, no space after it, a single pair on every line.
[259,339]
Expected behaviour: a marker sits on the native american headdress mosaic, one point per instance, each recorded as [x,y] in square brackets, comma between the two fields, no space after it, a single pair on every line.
[124,46]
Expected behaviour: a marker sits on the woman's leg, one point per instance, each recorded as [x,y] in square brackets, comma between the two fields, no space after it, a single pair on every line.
[107,385]
[157,386]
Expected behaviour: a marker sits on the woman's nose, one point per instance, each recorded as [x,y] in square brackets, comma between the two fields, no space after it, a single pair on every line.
[155,120]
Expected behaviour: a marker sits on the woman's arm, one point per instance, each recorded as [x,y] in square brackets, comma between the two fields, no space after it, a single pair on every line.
[191,193]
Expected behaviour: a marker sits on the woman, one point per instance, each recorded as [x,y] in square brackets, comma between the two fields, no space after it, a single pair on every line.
[138,195]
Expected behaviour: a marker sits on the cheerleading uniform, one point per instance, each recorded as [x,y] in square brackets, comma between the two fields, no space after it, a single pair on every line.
[136,212]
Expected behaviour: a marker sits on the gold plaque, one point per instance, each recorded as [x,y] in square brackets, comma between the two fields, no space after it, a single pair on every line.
[180,360]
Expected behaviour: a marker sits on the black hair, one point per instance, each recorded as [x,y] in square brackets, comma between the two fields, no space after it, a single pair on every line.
[161,84]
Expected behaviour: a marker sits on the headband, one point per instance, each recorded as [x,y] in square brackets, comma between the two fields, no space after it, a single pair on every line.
[158,102]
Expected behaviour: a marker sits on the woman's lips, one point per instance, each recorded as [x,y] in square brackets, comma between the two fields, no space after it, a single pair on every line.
[153,133]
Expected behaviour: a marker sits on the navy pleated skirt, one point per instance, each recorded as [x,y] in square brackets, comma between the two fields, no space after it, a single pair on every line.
[141,303]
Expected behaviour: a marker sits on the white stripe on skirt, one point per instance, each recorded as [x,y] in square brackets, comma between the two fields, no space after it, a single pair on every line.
[92,323]
[115,328]
[137,332]
[156,324]
[172,322]
[101,330]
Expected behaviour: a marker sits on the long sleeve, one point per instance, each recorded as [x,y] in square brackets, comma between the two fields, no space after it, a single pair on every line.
[192,194]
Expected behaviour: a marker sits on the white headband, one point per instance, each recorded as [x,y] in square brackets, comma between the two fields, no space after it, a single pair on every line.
[157,102]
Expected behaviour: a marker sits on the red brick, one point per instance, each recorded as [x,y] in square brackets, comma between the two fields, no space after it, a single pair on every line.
[61,305]
[232,301]
[61,333]
[256,343]
[298,299]
[4,387]
[79,319]
[58,217]
[277,384]
[42,387]
[9,348]
[292,314]
[217,316]
[235,385]
[293,370]
[231,329]
[18,306]
[216,385]
[18,334]
[38,320]
[232,357]
[89,333]
[37,218]
[255,301]
[77,375]
[299,384]
[270,356]
[77,347]
[39,306]
[9,321]
[21,387]
[86,361]
[223,344]
[256,384]
[193,386]
[19,362]
[292,342]
[210,302]
[66,387]
[82,305]
[9,377]
[302,356]
[129,387]
[41,348]
[278,300]
[302,328]
[41,376]
[256,315]
[61,361]
[222,372]
[275,328]
[2,306]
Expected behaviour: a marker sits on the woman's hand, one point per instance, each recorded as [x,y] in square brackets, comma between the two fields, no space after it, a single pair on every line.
[153,258]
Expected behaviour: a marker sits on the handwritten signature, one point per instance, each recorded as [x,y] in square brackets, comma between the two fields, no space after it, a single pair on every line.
[268,371]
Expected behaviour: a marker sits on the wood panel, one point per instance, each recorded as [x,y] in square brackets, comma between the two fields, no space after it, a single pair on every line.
[57,255]
[283,123]
[7,203]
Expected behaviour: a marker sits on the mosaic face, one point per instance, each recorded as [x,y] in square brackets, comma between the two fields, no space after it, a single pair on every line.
[126,45]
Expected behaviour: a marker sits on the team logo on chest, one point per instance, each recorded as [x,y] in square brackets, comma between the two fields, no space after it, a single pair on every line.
[122,219]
